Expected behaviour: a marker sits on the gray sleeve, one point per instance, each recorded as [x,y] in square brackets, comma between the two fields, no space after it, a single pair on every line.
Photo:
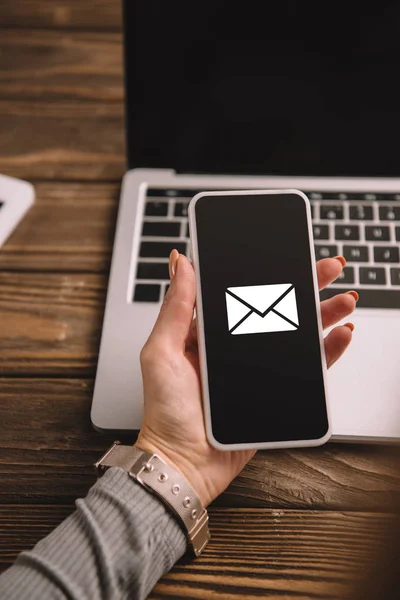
[117,544]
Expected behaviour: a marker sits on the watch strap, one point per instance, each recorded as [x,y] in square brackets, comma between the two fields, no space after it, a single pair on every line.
[165,482]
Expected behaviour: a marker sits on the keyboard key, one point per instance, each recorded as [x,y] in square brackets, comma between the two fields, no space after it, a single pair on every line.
[150,270]
[371,197]
[368,298]
[386,197]
[162,228]
[346,276]
[343,196]
[395,276]
[361,212]
[347,232]
[147,293]
[356,253]
[372,275]
[321,232]
[325,251]
[377,233]
[362,196]
[181,209]
[331,212]
[178,193]
[156,209]
[397,232]
[157,193]
[161,249]
[389,213]
[387,254]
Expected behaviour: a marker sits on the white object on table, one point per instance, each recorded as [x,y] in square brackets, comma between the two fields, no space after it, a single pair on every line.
[16,198]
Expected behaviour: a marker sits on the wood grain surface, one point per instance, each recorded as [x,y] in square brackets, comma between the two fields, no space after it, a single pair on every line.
[50,323]
[300,524]
[61,105]
[64,14]
[61,66]
[47,439]
[279,554]
[253,553]
[62,140]
[69,229]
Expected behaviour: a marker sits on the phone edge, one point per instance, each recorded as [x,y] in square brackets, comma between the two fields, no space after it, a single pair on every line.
[201,337]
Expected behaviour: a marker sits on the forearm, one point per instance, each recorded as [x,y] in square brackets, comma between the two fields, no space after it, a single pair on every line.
[117,544]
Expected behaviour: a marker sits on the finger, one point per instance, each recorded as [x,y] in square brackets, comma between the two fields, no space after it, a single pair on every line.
[336,342]
[337,308]
[191,341]
[329,269]
[175,317]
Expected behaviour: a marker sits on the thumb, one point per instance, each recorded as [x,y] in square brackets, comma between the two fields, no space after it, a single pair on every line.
[176,314]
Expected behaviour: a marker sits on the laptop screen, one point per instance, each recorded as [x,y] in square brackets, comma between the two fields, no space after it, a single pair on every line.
[284,88]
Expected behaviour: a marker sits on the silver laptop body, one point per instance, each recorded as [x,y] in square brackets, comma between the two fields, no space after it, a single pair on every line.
[355,203]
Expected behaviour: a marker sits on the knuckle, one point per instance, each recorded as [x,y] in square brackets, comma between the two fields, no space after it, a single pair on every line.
[146,354]
[154,352]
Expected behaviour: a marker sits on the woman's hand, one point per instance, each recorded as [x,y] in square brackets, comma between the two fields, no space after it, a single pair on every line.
[173,424]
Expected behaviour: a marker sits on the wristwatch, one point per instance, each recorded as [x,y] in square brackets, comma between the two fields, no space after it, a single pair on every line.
[167,484]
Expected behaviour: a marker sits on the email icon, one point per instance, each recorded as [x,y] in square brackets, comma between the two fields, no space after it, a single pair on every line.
[261,308]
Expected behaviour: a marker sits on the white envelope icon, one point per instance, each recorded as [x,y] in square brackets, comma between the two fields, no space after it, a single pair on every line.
[261,308]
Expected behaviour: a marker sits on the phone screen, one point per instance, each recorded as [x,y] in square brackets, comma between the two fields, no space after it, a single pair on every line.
[263,352]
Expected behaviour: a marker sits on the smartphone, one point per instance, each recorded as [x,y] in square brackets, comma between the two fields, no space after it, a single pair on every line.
[261,350]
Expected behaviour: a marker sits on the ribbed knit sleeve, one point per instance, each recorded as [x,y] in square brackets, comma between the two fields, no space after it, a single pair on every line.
[118,542]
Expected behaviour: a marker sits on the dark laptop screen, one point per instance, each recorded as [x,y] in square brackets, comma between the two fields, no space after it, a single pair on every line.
[288,87]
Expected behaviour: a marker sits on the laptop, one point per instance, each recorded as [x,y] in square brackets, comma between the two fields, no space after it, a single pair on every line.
[224,98]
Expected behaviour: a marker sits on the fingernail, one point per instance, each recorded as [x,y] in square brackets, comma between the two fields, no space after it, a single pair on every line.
[350,326]
[173,259]
[354,294]
[341,259]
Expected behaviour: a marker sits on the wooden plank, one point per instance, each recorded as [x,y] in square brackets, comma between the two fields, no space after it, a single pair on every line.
[281,554]
[70,228]
[62,140]
[61,66]
[50,323]
[62,14]
[48,447]
[252,553]
[22,526]
[61,105]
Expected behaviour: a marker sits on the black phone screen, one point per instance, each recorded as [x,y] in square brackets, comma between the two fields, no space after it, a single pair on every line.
[264,366]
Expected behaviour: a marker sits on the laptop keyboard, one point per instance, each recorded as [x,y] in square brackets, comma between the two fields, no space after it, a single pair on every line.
[363,227]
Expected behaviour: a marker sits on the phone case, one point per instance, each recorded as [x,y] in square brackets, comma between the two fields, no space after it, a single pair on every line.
[201,336]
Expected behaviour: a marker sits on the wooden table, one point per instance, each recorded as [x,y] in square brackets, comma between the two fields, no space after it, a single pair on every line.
[294,524]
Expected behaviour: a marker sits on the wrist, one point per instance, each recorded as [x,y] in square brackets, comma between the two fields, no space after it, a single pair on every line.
[182,464]
[165,481]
